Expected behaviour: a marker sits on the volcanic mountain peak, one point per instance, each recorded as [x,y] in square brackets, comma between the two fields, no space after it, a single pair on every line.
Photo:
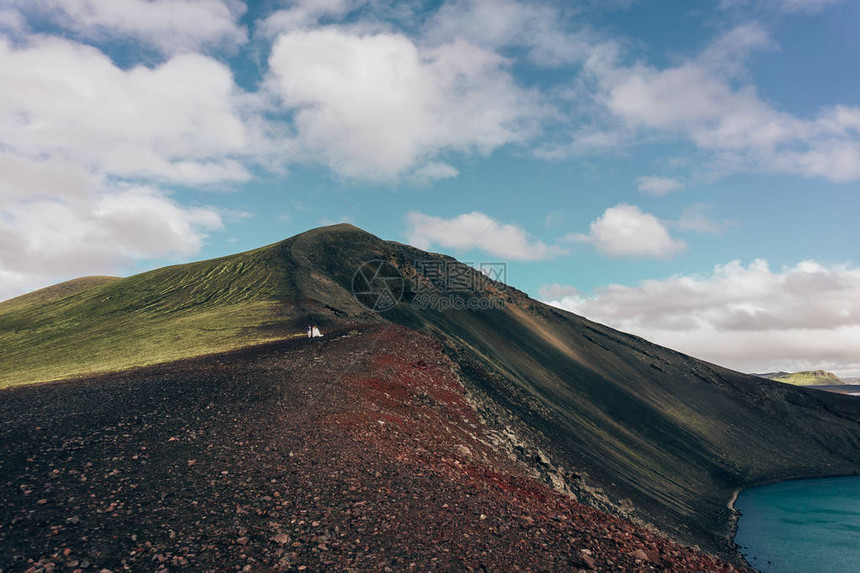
[620,423]
[103,324]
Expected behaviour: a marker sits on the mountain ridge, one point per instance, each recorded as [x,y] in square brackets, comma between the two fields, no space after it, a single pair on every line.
[56,291]
[805,378]
[358,451]
[616,421]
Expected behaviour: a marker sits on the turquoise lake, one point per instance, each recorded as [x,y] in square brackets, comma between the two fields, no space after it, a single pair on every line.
[803,526]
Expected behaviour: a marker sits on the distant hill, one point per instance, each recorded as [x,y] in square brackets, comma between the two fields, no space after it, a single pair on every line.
[103,324]
[805,378]
[625,425]
[54,292]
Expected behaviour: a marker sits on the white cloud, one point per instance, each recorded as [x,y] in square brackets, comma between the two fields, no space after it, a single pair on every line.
[75,129]
[12,21]
[696,98]
[657,186]
[170,26]
[553,219]
[746,317]
[627,231]
[477,230]
[22,179]
[434,171]
[705,100]
[697,218]
[507,23]
[557,291]
[787,6]
[178,122]
[42,239]
[728,53]
[809,6]
[587,141]
[302,14]
[378,106]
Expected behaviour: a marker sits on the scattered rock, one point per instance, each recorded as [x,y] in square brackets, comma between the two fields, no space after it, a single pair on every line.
[588,561]
[293,457]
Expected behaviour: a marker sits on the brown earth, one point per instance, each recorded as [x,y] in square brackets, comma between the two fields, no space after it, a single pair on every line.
[360,451]
[640,431]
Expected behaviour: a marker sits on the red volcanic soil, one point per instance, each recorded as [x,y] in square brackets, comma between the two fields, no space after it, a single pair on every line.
[359,451]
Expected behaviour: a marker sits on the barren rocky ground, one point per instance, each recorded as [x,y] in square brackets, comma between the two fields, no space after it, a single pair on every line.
[357,452]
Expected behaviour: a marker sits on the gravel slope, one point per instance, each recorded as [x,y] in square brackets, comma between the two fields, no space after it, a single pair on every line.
[357,452]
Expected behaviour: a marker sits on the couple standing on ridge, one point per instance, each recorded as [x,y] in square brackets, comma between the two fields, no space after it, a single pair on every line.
[314,332]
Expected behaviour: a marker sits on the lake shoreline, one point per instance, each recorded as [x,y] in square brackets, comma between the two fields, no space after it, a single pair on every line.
[736,513]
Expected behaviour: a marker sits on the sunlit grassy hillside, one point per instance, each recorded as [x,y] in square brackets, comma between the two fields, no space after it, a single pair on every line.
[806,378]
[98,324]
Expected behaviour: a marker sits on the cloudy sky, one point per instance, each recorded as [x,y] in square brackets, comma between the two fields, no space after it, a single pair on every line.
[686,171]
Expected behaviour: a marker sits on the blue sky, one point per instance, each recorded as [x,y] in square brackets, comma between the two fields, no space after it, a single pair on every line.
[685,171]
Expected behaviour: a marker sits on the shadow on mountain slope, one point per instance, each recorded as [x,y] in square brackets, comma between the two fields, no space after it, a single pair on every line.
[356,452]
[622,424]
[625,424]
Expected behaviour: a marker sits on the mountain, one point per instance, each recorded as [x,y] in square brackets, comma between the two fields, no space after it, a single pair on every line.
[55,292]
[628,427]
[805,378]
[360,451]
[103,325]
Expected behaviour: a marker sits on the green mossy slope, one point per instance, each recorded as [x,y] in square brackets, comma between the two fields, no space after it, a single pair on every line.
[101,324]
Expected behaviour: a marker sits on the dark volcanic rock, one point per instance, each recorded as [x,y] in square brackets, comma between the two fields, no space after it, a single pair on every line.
[358,452]
[502,398]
